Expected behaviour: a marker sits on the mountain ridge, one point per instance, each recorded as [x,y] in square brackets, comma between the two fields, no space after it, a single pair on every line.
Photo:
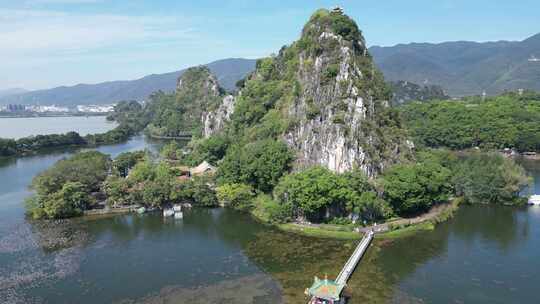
[460,67]
[228,71]
[12,91]
[464,67]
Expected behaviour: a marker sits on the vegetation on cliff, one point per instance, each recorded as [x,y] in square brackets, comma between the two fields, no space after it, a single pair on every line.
[312,136]
[324,98]
[174,115]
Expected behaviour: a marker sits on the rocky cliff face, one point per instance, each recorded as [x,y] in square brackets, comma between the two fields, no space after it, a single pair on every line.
[203,101]
[197,93]
[215,121]
[324,97]
[198,81]
[343,111]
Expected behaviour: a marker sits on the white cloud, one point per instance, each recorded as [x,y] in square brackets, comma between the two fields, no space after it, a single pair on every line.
[26,32]
[42,48]
[37,46]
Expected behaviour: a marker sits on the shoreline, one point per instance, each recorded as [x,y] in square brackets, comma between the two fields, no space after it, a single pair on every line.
[68,147]
[393,229]
[54,115]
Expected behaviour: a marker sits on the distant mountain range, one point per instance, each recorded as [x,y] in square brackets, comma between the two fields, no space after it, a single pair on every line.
[9,92]
[464,68]
[228,72]
[405,91]
[461,68]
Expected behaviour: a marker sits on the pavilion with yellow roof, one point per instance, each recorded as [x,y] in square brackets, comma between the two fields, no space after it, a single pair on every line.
[325,291]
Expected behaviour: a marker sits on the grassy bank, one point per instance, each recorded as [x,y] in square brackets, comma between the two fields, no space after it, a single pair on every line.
[407,231]
[404,230]
[397,227]
[333,232]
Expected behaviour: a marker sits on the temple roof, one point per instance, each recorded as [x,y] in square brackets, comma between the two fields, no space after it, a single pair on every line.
[325,289]
[204,167]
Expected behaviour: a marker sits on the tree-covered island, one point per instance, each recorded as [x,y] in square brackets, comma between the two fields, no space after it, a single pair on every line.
[310,137]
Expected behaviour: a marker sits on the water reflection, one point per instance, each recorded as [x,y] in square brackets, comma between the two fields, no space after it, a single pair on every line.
[35,255]
[485,254]
[502,226]
[111,259]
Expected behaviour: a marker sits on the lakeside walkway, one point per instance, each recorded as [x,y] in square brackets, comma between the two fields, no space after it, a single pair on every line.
[353,261]
[432,214]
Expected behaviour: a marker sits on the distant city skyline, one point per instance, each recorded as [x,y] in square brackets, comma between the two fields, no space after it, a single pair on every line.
[49,43]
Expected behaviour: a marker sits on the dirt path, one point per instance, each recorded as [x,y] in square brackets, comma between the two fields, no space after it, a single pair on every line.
[432,214]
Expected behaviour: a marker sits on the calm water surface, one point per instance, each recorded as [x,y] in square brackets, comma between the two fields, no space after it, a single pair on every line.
[22,127]
[482,255]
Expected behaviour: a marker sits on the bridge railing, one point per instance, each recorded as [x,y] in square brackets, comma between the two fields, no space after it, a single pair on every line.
[349,267]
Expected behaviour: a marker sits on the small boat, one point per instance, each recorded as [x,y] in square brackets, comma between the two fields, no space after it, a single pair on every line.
[177,208]
[534,200]
[168,212]
[141,210]
[179,215]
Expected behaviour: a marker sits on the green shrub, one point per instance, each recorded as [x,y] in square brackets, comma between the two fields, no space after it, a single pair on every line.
[271,211]
[238,196]
[330,72]
[339,118]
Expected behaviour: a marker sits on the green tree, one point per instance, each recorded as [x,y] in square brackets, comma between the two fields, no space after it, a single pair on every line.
[8,147]
[70,201]
[87,168]
[238,196]
[490,178]
[413,188]
[211,149]
[197,190]
[309,191]
[506,121]
[372,208]
[126,160]
[116,189]
[259,164]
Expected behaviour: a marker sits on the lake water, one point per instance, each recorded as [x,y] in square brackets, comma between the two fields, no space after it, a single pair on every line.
[482,255]
[22,127]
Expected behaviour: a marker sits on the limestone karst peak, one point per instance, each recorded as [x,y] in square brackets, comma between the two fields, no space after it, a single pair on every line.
[323,96]
[333,23]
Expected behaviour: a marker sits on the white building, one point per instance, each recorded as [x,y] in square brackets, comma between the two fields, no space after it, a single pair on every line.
[95,108]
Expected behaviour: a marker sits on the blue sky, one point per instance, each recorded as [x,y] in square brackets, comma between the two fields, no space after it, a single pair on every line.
[47,43]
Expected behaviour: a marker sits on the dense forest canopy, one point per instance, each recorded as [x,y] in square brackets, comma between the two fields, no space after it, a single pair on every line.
[65,189]
[506,121]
